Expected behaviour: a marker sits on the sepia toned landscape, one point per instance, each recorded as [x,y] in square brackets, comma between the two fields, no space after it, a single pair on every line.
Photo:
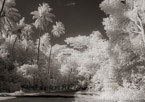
[72,50]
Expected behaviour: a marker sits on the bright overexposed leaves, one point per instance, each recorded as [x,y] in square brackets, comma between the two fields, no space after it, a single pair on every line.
[79,42]
[129,20]
[87,55]
[94,58]
[45,43]
[113,7]
[67,57]
[28,69]
[58,29]
[125,29]
[30,72]
[43,16]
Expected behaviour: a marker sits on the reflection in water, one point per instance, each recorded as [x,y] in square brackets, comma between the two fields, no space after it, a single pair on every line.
[60,100]
[92,100]
[39,100]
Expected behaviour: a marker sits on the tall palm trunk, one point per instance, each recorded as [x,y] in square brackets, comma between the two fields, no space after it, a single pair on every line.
[18,35]
[14,43]
[10,25]
[38,58]
[49,60]
[38,50]
[2,8]
[49,69]
[14,46]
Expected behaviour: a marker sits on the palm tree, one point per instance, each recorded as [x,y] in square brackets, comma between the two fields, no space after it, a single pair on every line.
[2,8]
[9,15]
[57,30]
[18,30]
[22,32]
[43,18]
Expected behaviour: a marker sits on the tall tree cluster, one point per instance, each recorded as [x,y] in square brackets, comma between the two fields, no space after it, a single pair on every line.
[28,60]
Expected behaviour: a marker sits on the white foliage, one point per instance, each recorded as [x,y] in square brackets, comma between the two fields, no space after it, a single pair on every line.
[58,29]
[42,16]
[45,43]
[78,42]
[28,71]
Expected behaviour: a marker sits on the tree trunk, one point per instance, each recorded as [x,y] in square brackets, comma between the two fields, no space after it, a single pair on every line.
[2,8]
[49,60]
[49,65]
[14,43]
[18,33]
[38,50]
[38,56]
[13,47]
[110,81]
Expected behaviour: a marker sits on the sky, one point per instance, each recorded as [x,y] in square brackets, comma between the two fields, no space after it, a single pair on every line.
[80,17]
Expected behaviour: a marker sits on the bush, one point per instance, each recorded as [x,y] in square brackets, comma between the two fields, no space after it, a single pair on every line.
[122,94]
[30,74]
[9,79]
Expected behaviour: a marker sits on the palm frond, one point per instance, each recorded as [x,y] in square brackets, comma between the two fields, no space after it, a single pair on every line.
[42,16]
[58,29]
[10,15]
[10,3]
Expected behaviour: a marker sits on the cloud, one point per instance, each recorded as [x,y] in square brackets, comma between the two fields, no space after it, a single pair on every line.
[71,4]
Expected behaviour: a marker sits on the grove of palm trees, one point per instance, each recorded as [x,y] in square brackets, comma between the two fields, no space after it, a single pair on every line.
[112,67]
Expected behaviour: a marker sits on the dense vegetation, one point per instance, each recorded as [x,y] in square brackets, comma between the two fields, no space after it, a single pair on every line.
[89,62]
